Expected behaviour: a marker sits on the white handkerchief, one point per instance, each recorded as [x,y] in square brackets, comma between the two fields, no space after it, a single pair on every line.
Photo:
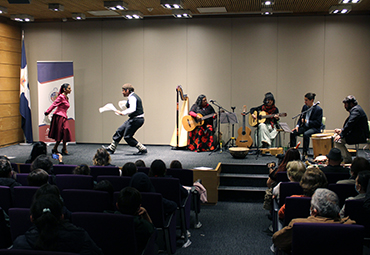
[46,120]
[107,107]
[122,104]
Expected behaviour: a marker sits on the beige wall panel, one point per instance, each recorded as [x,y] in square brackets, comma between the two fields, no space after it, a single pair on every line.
[9,71]
[11,136]
[9,31]
[9,110]
[10,44]
[9,83]
[10,123]
[347,62]
[9,97]
[10,57]
[164,68]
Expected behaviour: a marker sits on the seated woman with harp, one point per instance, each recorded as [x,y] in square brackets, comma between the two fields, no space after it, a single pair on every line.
[201,138]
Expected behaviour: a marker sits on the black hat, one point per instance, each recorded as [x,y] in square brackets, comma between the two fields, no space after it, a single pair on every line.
[269,96]
[334,154]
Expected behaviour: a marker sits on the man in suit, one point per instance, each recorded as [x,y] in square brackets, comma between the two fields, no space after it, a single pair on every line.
[309,123]
[355,129]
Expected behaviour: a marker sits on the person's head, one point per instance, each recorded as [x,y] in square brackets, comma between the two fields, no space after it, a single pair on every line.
[46,214]
[44,162]
[5,167]
[157,168]
[127,89]
[105,185]
[362,181]
[325,203]
[129,201]
[349,102]
[129,169]
[313,179]
[334,157]
[141,182]
[37,177]
[176,164]
[309,98]
[140,163]
[65,88]
[359,164]
[269,99]
[295,170]
[290,155]
[38,149]
[101,157]
[47,189]
[82,170]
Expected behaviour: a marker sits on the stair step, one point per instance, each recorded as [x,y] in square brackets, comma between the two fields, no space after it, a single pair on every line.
[241,194]
[256,176]
[249,168]
[245,188]
[255,180]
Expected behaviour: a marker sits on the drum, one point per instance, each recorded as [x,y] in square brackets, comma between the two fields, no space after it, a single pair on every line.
[322,144]
[239,152]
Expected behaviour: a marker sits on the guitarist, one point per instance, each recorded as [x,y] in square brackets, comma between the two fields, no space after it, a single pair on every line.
[267,130]
[308,124]
[202,137]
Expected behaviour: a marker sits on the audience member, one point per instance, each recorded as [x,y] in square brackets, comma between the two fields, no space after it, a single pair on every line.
[362,181]
[82,170]
[367,199]
[334,160]
[102,158]
[37,149]
[51,232]
[140,163]
[129,169]
[176,164]
[142,183]
[358,164]
[324,209]
[6,173]
[129,203]
[37,177]
[105,185]
[44,162]
[311,180]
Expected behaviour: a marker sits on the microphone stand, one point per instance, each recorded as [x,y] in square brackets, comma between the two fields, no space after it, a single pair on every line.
[232,138]
[218,126]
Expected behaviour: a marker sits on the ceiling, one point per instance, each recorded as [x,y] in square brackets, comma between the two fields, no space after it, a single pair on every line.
[152,8]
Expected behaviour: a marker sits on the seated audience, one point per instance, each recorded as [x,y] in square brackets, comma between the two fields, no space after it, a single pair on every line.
[140,163]
[367,199]
[51,232]
[362,181]
[142,183]
[311,180]
[295,171]
[37,177]
[176,164]
[37,149]
[358,164]
[82,170]
[6,174]
[129,202]
[334,160]
[44,162]
[324,209]
[105,185]
[129,169]
[102,158]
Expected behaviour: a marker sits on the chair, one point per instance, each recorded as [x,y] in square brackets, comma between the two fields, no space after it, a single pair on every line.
[357,145]
[334,177]
[296,207]
[5,240]
[80,200]
[343,191]
[152,202]
[24,168]
[356,212]
[118,182]
[63,169]
[23,196]
[73,181]
[104,170]
[19,221]
[6,200]
[325,238]
[281,177]
[22,178]
[15,167]
[113,233]
[143,170]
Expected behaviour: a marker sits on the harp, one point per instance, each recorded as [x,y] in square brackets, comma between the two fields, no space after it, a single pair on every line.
[180,135]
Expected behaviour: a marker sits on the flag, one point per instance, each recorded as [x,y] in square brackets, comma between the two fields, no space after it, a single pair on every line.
[25,99]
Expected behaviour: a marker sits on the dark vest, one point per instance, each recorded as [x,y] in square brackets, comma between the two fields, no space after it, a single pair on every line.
[139,107]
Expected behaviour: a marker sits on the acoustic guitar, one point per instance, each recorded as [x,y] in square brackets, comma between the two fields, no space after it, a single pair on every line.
[262,117]
[191,123]
[244,133]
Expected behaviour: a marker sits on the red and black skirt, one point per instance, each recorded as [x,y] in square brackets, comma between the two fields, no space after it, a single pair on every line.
[59,129]
[201,139]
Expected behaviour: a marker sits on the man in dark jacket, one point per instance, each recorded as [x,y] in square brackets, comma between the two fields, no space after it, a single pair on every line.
[355,129]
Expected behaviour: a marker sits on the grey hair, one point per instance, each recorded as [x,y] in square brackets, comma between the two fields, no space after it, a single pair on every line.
[326,202]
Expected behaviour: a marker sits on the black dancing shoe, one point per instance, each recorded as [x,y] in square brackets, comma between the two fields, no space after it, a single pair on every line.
[65,152]
[54,151]
[142,152]
[109,150]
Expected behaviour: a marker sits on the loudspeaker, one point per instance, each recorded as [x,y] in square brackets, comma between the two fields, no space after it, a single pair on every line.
[19,1]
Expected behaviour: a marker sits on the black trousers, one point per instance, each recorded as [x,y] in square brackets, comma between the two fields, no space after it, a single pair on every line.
[127,131]
[307,132]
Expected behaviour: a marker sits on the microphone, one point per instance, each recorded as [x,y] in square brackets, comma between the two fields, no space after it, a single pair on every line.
[212,101]
[318,102]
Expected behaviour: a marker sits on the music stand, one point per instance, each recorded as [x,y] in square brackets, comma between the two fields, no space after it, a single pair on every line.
[231,118]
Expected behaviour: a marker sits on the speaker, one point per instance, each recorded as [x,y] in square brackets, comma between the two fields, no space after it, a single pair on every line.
[19,1]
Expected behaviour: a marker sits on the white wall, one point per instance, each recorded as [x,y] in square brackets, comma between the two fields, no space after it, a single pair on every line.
[232,60]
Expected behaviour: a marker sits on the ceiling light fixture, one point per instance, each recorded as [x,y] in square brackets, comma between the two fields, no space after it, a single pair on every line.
[3,10]
[182,14]
[116,5]
[349,1]
[340,9]
[22,17]
[132,15]
[56,7]
[172,4]
[267,2]
[266,11]
[78,16]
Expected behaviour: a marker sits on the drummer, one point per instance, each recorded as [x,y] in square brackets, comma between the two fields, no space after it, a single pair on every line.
[334,160]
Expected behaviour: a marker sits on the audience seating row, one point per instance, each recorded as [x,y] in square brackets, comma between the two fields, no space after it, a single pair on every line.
[331,177]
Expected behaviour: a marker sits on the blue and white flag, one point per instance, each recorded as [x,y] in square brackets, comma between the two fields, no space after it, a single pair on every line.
[25,99]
